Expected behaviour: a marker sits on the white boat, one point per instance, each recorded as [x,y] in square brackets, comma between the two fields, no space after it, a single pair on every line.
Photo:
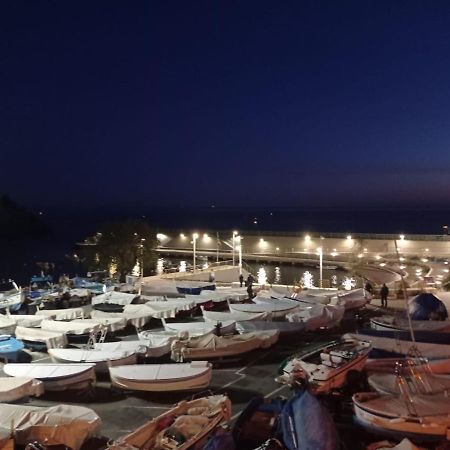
[278,308]
[354,299]
[315,296]
[112,324]
[29,320]
[56,377]
[13,389]
[7,325]
[162,303]
[65,425]
[388,365]
[134,317]
[52,339]
[12,302]
[157,343]
[418,417]
[200,328]
[326,367]
[101,358]
[211,346]
[114,297]
[193,420]
[316,316]
[392,323]
[71,327]
[66,314]
[398,347]
[217,316]
[162,377]
[168,309]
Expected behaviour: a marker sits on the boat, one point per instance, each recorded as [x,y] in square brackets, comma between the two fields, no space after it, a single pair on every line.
[101,358]
[388,365]
[278,308]
[29,320]
[162,377]
[86,283]
[41,339]
[12,302]
[113,298]
[67,314]
[417,417]
[185,426]
[10,348]
[326,367]
[392,323]
[400,344]
[157,343]
[201,328]
[134,317]
[218,316]
[211,346]
[286,330]
[65,425]
[194,287]
[316,316]
[354,299]
[169,308]
[13,389]
[8,288]
[111,324]
[7,325]
[56,377]
[72,327]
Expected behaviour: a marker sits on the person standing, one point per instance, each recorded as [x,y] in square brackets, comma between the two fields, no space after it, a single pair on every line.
[250,291]
[241,279]
[384,292]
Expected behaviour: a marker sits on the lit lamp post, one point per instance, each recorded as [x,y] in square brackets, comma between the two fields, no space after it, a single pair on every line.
[320,251]
[141,265]
[235,233]
[194,247]
[239,239]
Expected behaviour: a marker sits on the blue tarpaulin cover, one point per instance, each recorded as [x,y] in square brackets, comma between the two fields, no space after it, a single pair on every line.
[427,307]
[307,425]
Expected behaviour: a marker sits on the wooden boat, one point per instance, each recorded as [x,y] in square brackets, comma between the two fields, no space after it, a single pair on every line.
[388,365]
[56,377]
[278,308]
[65,425]
[10,348]
[29,320]
[211,346]
[162,377]
[326,367]
[186,426]
[111,324]
[37,338]
[417,417]
[316,316]
[286,330]
[135,315]
[101,358]
[169,308]
[67,314]
[13,389]
[218,316]
[71,327]
[201,328]
[392,323]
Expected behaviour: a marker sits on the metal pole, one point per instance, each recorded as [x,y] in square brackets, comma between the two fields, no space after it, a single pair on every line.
[233,248]
[320,265]
[141,266]
[240,255]
[218,242]
[194,241]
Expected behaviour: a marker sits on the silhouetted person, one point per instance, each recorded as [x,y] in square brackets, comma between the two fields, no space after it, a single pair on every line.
[384,292]
[241,279]
[368,287]
[250,291]
[250,279]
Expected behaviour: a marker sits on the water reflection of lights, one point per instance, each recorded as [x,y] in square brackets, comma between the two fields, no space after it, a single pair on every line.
[182,266]
[160,266]
[307,280]
[262,276]
[348,283]
[277,275]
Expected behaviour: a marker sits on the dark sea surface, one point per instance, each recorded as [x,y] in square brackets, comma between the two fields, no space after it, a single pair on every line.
[18,258]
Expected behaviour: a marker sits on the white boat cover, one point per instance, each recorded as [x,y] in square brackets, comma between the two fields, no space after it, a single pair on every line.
[212,346]
[158,343]
[70,327]
[79,292]
[54,376]
[318,316]
[278,308]
[67,314]
[217,316]
[111,323]
[426,383]
[11,300]
[398,323]
[170,308]
[52,339]
[162,377]
[357,298]
[117,298]
[200,328]
[12,389]
[235,294]
[76,355]
[29,320]
[58,425]
[7,325]
[135,319]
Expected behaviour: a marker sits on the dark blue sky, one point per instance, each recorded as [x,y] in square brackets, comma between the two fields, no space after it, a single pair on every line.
[291,104]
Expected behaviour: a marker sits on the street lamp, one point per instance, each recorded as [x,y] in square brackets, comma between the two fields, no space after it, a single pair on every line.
[320,251]
[239,239]
[235,233]
[194,243]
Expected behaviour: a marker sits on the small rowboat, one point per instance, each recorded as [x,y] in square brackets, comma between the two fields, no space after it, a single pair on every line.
[56,377]
[13,389]
[37,338]
[186,426]
[162,377]
[200,328]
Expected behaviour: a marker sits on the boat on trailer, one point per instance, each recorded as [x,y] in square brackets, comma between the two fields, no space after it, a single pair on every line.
[162,377]
[186,426]
[56,377]
[326,367]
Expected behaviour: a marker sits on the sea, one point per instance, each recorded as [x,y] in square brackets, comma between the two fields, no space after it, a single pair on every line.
[57,252]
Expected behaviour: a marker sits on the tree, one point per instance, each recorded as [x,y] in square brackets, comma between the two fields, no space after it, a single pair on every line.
[121,245]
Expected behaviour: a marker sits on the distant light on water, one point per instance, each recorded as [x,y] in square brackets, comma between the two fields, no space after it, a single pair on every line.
[308,280]
[182,266]
[277,275]
[348,283]
[160,266]
[262,276]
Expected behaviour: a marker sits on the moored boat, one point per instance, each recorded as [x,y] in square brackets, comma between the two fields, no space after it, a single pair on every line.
[13,389]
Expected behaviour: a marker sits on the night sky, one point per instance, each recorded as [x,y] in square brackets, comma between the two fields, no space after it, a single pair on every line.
[226,103]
